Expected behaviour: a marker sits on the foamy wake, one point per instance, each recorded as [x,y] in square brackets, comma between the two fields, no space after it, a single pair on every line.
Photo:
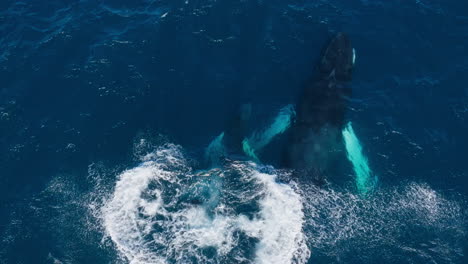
[163,212]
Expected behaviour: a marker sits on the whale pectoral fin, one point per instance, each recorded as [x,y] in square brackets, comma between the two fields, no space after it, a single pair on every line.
[215,151]
[260,139]
[365,178]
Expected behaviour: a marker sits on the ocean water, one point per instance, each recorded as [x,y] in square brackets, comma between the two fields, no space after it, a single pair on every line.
[113,114]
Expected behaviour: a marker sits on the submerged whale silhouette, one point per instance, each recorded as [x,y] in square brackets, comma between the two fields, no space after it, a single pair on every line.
[316,129]
[315,136]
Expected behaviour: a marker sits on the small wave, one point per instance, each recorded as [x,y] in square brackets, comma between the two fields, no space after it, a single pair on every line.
[161,211]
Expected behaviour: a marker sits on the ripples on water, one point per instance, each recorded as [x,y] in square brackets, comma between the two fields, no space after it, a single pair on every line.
[80,79]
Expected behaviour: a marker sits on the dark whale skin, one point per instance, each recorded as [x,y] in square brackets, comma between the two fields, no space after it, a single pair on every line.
[315,137]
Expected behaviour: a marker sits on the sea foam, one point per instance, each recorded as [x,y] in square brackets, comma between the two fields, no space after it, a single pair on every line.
[163,212]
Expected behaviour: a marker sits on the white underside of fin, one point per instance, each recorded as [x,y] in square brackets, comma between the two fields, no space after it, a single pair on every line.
[354,56]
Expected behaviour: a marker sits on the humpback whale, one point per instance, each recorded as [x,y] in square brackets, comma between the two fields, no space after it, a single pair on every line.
[315,136]
[316,129]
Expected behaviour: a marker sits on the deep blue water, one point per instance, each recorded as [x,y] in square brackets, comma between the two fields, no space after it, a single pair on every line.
[90,88]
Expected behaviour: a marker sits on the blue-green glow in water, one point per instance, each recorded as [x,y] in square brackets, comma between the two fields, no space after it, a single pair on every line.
[215,150]
[260,139]
[365,180]
[248,150]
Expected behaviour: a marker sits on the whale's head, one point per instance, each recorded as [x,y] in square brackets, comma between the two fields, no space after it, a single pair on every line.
[338,60]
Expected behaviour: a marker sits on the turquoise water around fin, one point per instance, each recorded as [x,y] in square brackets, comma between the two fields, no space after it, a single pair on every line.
[248,150]
[365,179]
[215,150]
[260,139]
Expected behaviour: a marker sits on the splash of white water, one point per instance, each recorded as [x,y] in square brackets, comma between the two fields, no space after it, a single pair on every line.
[149,221]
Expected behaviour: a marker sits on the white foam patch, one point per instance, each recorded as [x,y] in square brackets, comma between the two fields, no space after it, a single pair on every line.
[121,214]
[149,221]
[281,224]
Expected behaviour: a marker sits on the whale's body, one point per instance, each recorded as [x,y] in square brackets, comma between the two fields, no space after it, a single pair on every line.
[313,127]
[316,134]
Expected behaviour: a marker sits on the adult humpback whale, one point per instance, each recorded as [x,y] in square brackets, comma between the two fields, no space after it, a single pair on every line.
[317,131]
[315,136]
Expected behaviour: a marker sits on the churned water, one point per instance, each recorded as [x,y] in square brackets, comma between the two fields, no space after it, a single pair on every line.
[117,123]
